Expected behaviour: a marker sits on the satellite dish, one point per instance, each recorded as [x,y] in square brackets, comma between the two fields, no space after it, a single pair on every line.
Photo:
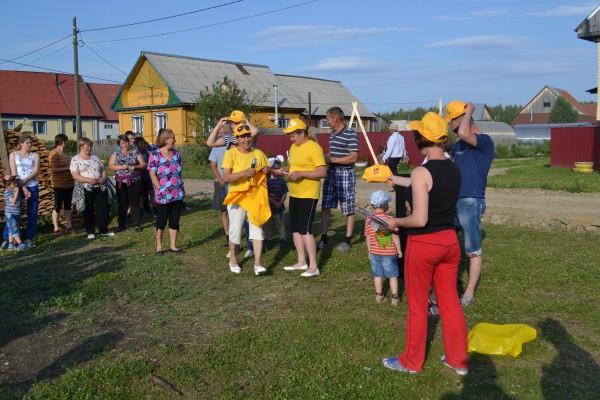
[25,120]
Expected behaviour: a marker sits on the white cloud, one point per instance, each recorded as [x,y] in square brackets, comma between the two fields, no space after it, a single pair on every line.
[483,41]
[344,65]
[564,11]
[315,35]
[489,13]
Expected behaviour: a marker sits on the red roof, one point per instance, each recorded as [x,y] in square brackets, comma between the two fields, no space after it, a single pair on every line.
[534,119]
[43,93]
[105,94]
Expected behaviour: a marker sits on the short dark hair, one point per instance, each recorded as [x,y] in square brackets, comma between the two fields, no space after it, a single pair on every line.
[336,112]
[60,139]
[123,138]
[422,143]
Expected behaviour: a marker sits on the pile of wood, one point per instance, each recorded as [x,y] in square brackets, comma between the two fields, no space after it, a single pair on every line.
[11,138]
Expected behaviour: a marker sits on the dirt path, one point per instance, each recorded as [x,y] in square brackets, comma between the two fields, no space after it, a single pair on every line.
[540,209]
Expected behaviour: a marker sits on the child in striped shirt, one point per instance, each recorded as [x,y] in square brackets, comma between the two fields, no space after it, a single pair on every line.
[383,249]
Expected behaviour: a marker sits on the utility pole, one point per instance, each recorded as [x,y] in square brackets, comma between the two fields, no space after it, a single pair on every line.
[76,73]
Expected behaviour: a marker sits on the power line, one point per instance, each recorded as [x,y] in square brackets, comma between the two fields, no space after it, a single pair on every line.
[35,51]
[102,58]
[206,26]
[54,52]
[163,18]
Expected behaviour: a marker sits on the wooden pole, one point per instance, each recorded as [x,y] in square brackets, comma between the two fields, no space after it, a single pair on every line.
[76,73]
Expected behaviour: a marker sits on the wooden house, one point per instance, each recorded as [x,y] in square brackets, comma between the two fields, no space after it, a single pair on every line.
[162,90]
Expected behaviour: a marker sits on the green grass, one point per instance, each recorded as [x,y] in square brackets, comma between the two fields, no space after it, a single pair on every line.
[92,319]
[537,174]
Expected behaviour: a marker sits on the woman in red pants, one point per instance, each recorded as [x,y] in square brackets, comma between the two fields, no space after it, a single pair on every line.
[432,250]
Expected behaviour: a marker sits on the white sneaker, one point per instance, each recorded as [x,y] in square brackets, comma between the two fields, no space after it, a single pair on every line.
[235,269]
[259,270]
[248,254]
[109,233]
[91,236]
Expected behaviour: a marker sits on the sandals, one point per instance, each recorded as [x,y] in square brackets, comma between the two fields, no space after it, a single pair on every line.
[177,251]
[466,300]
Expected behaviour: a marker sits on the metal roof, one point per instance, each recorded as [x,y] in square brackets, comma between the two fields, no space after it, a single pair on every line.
[187,76]
[44,94]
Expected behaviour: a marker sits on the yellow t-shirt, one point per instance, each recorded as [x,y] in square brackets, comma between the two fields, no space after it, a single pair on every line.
[238,161]
[306,157]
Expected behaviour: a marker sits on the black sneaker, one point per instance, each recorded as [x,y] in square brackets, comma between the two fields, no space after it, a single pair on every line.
[282,243]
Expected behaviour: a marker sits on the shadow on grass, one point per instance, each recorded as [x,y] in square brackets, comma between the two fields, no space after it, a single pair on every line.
[86,351]
[41,288]
[573,373]
[481,382]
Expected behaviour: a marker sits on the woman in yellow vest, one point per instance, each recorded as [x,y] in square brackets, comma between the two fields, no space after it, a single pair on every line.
[305,170]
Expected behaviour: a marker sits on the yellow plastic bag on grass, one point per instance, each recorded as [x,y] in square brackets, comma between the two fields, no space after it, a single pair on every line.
[500,340]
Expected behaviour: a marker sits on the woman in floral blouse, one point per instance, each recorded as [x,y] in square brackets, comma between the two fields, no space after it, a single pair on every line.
[165,168]
[127,164]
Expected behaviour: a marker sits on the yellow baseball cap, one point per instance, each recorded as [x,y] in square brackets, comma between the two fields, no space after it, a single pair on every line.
[432,127]
[241,130]
[455,109]
[295,125]
[236,116]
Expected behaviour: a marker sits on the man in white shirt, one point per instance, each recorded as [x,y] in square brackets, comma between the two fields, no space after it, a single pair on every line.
[395,152]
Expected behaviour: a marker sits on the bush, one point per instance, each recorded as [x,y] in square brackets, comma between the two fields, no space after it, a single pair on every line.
[196,153]
[521,150]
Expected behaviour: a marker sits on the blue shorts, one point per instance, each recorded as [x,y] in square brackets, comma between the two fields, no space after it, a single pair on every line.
[340,185]
[12,224]
[384,266]
[469,211]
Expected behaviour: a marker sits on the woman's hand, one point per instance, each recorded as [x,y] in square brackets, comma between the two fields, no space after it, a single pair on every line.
[250,172]
[390,181]
[295,175]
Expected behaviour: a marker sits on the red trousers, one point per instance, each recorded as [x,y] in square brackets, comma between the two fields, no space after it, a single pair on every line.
[433,258]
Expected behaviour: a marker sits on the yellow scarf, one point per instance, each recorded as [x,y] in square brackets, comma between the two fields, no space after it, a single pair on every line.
[255,200]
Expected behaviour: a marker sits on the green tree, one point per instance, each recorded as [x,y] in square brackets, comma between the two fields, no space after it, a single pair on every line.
[219,100]
[505,114]
[563,112]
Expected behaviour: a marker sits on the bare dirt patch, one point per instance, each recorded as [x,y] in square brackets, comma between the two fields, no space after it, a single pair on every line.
[539,209]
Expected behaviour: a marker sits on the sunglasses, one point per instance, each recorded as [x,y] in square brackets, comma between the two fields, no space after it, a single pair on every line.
[242,127]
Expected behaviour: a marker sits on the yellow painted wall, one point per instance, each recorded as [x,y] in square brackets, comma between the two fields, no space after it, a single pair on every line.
[147,89]
[55,126]
[178,119]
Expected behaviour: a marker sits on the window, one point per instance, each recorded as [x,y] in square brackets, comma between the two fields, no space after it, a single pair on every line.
[547,104]
[160,120]
[138,123]
[40,127]
[108,126]
[354,126]
[7,124]
[324,124]
[283,122]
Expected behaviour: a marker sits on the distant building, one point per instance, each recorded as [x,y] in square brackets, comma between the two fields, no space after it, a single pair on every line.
[162,90]
[537,111]
[589,29]
[44,103]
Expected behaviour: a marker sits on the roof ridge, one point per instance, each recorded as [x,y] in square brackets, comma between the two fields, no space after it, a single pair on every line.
[144,52]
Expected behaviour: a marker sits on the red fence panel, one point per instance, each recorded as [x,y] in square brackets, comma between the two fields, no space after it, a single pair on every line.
[575,144]
[273,145]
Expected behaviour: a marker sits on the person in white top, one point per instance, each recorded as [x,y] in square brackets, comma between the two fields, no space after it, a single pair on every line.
[395,151]
[26,165]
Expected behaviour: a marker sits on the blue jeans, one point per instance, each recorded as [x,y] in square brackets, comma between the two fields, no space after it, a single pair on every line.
[32,214]
[469,211]
[384,266]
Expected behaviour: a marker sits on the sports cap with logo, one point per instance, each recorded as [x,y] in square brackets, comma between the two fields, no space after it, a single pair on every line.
[295,125]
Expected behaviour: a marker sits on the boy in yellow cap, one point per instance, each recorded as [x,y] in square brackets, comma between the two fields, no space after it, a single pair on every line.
[473,155]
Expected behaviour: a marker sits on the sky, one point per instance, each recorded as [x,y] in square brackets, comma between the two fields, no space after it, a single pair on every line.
[390,54]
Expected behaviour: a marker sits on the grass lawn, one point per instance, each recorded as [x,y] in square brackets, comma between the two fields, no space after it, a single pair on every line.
[93,319]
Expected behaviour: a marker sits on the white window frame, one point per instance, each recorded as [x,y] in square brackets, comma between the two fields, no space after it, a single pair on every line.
[324,124]
[160,120]
[137,123]
[8,124]
[44,124]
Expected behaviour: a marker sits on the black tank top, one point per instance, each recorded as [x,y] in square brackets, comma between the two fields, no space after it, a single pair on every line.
[442,197]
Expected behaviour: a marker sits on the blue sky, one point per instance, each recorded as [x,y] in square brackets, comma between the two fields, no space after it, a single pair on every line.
[390,53]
